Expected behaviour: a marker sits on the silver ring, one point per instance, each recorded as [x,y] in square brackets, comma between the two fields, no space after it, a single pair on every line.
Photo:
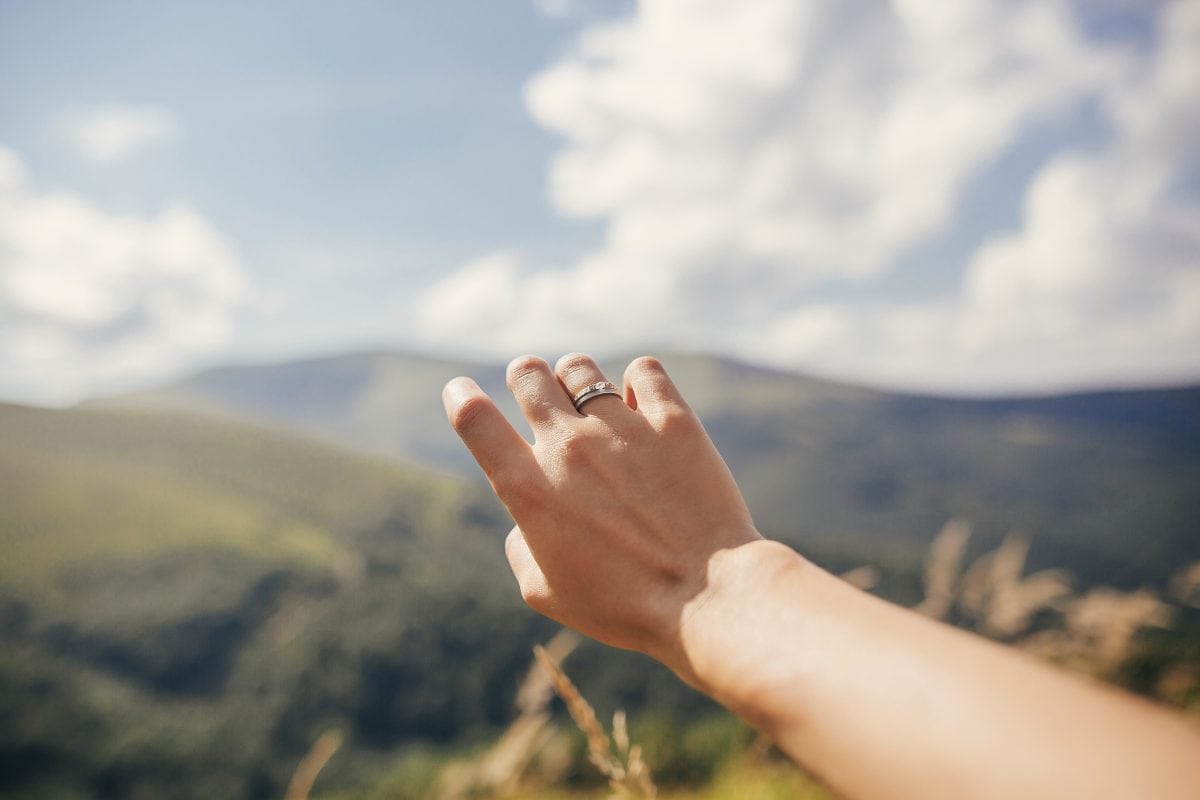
[591,391]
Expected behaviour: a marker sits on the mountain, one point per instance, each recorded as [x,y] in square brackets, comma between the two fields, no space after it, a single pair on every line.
[201,579]
[186,603]
[1103,481]
[383,403]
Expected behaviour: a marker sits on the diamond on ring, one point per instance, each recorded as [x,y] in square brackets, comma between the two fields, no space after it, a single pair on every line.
[593,390]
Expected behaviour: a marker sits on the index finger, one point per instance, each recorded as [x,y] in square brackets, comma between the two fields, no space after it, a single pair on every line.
[503,454]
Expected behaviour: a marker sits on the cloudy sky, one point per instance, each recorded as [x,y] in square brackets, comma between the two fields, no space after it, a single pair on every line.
[966,197]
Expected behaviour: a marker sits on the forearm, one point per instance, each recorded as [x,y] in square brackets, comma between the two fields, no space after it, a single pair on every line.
[881,702]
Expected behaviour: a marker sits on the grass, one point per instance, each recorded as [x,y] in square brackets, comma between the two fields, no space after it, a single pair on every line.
[614,757]
[83,486]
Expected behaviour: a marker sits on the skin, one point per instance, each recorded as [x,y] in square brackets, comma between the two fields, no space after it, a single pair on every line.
[631,530]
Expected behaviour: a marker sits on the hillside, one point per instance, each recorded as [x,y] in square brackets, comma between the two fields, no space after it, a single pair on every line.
[186,603]
[117,486]
[187,600]
[1103,481]
[384,403]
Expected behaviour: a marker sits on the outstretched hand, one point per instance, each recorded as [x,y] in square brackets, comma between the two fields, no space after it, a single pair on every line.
[620,506]
[630,529]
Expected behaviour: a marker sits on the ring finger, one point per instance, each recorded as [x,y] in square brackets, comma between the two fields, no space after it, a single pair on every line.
[578,373]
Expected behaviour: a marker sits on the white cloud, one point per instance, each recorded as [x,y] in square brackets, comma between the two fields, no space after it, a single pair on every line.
[1109,252]
[90,299]
[113,133]
[749,156]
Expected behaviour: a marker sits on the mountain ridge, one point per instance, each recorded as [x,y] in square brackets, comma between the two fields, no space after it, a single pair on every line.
[819,461]
[188,599]
[470,365]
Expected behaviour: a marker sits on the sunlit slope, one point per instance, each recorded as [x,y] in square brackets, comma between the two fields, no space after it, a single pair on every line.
[1104,481]
[82,486]
[186,602]
[385,403]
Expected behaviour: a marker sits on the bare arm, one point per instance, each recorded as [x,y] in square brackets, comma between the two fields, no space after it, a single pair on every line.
[631,529]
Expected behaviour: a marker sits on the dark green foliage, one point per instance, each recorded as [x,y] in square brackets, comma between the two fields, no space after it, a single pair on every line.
[691,754]
[148,656]
[1163,651]
[187,603]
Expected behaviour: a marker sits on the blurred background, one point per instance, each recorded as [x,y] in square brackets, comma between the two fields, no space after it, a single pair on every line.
[929,272]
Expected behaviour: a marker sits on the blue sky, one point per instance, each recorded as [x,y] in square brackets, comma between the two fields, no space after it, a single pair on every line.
[348,156]
[959,201]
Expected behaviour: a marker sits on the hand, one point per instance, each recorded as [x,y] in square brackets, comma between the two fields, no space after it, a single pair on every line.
[631,530]
[619,506]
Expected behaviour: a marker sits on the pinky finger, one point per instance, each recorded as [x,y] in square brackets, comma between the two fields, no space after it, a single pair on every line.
[649,388]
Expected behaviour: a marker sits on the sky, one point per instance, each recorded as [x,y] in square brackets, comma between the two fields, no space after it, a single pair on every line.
[979,197]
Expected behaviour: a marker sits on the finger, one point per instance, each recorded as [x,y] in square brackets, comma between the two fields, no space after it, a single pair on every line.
[537,391]
[535,590]
[649,389]
[576,372]
[505,457]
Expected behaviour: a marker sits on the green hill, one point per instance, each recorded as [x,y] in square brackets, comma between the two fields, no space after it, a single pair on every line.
[85,485]
[186,603]
[187,600]
[1103,481]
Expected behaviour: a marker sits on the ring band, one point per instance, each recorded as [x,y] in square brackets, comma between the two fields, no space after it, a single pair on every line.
[591,391]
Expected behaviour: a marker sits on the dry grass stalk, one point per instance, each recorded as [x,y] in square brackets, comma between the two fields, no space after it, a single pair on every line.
[537,689]
[620,734]
[627,772]
[942,569]
[865,577]
[1100,631]
[584,715]
[1008,562]
[1002,601]
[498,771]
[1106,621]
[1177,682]
[637,777]
[976,586]
[311,765]
[1185,585]
[1059,646]
[1013,607]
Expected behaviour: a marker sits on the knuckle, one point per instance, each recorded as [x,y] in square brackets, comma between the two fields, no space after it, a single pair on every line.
[468,414]
[522,367]
[512,543]
[589,447]
[574,445]
[571,450]
[573,362]
[535,597]
[675,421]
[645,365]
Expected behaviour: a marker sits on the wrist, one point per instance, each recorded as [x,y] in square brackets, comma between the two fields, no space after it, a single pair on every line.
[739,638]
